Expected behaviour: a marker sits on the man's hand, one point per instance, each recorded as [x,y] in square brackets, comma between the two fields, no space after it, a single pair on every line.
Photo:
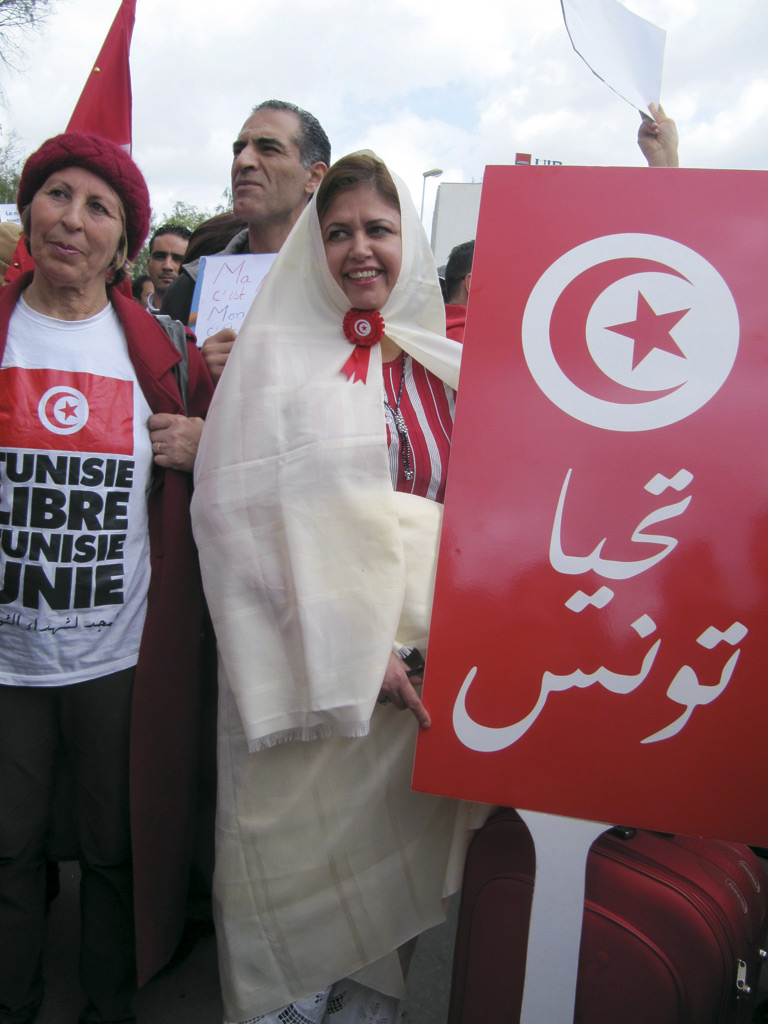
[398,689]
[216,351]
[175,440]
[657,138]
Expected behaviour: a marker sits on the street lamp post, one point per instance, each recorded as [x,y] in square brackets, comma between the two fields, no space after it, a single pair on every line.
[434,173]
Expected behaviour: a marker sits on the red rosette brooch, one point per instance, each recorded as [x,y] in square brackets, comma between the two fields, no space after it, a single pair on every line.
[363,328]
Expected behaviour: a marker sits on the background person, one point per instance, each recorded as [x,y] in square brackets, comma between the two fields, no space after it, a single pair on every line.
[142,289]
[279,158]
[458,277]
[318,543]
[213,235]
[167,248]
[102,607]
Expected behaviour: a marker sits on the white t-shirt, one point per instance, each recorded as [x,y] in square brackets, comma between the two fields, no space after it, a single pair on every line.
[75,471]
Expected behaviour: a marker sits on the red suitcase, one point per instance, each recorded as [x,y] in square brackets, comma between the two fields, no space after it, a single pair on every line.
[673,929]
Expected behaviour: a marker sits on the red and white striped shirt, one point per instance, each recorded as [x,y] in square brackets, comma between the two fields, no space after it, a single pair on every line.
[428,407]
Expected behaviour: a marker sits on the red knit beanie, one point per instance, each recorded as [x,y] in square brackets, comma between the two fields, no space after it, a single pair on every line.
[103,157]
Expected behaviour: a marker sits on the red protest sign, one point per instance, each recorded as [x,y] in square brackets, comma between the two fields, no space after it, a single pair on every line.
[597,645]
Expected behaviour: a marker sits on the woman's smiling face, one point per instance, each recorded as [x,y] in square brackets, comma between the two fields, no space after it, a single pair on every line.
[363,246]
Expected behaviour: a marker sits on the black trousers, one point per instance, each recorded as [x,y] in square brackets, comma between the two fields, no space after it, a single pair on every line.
[92,721]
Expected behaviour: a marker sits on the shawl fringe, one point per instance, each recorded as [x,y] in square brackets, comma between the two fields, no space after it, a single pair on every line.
[321,731]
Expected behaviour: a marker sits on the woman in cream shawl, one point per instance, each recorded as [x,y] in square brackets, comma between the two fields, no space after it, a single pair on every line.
[316,569]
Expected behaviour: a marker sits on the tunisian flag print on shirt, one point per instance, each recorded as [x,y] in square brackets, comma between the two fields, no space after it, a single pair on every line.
[60,411]
[598,645]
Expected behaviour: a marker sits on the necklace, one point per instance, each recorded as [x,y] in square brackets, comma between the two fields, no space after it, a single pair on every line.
[402,430]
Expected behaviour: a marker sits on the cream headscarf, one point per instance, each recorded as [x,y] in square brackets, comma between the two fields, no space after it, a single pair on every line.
[294,513]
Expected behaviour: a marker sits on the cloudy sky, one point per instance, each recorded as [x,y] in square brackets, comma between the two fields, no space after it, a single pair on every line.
[430,83]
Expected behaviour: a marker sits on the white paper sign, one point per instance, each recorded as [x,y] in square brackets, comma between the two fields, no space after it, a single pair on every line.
[624,50]
[226,287]
[8,212]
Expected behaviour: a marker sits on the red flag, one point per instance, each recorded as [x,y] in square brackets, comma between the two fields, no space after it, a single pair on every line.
[104,107]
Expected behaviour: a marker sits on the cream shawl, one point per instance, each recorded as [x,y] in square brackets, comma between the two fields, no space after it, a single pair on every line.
[294,514]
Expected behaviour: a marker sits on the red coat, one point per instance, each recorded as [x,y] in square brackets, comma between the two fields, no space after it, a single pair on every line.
[166,698]
[455,320]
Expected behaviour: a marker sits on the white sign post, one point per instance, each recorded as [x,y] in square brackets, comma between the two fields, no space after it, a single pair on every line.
[551,968]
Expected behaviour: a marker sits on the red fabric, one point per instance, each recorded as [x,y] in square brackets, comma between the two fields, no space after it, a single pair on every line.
[427,406]
[165,724]
[356,367]
[124,288]
[455,319]
[363,326]
[104,107]
[22,263]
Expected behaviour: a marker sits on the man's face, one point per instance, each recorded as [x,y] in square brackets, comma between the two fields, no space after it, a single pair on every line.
[269,182]
[164,264]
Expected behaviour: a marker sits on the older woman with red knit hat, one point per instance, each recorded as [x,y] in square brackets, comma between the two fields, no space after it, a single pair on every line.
[102,607]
